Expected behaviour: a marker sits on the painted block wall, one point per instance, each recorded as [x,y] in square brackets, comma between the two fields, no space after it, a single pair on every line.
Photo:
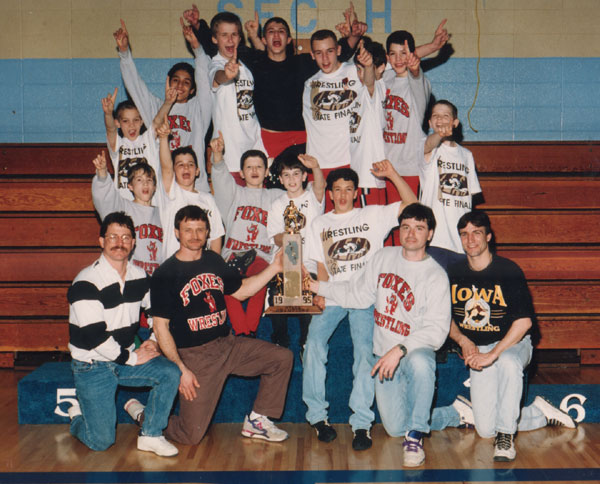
[539,69]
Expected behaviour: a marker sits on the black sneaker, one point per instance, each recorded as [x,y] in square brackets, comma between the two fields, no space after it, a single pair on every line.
[325,432]
[362,440]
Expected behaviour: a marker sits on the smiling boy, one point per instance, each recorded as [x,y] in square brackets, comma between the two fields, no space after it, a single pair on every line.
[341,242]
[232,87]
[189,112]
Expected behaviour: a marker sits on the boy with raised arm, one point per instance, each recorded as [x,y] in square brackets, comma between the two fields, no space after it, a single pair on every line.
[179,171]
[129,147]
[189,116]
[366,142]
[245,211]
[146,220]
[341,242]
[411,295]
[232,87]
[407,95]
[448,183]
[309,200]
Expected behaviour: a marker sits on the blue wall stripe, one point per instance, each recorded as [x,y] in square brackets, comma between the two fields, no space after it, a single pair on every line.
[58,100]
[308,477]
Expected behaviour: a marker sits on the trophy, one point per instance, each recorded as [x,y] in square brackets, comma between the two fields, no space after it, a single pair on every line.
[290,296]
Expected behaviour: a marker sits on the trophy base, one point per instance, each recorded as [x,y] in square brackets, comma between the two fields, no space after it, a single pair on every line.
[293,310]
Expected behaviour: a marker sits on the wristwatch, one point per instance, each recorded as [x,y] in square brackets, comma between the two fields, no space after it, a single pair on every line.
[403,349]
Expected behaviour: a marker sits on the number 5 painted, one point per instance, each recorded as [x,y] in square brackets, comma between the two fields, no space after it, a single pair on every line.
[62,395]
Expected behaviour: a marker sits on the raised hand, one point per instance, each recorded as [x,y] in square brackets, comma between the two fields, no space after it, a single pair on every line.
[163,130]
[252,26]
[217,145]
[383,169]
[441,36]
[100,165]
[358,29]
[232,68]
[308,161]
[364,56]
[444,129]
[108,102]
[412,60]
[192,16]
[122,37]
[188,34]
[170,93]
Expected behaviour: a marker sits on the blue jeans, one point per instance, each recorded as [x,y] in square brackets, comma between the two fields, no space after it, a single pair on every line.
[96,385]
[404,402]
[315,358]
[496,393]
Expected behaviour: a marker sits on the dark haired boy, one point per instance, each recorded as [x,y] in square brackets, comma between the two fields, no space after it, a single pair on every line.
[411,295]
[126,146]
[309,200]
[148,253]
[327,100]
[190,322]
[232,87]
[448,182]
[341,243]
[492,318]
[245,211]
[407,95]
[190,111]
[366,142]
[179,170]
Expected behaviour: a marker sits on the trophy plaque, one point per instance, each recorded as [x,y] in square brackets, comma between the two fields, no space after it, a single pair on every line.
[290,296]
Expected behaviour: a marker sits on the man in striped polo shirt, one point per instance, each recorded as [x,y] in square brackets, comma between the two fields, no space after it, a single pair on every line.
[105,301]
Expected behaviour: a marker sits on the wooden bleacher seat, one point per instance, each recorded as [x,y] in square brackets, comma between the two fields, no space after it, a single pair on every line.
[541,197]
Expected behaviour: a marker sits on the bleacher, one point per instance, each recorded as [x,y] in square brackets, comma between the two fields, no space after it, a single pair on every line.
[543,199]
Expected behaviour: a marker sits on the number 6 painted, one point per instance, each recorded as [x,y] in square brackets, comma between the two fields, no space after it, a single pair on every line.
[578,407]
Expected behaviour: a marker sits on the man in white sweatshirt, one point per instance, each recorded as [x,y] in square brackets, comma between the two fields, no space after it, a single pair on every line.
[411,295]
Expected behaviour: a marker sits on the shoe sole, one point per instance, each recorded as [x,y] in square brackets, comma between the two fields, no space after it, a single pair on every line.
[154,452]
[547,402]
[404,464]
[503,459]
[326,439]
[252,435]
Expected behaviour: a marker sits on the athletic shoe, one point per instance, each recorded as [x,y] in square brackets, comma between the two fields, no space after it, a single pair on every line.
[262,428]
[465,411]
[325,432]
[414,455]
[74,410]
[135,410]
[158,445]
[554,416]
[504,447]
[362,439]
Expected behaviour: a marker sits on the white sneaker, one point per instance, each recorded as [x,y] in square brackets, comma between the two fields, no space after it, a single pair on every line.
[504,447]
[158,445]
[262,428]
[554,416]
[465,411]
[135,409]
[414,455]
[74,410]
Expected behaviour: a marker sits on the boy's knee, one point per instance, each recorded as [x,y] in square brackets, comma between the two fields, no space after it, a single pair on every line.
[510,365]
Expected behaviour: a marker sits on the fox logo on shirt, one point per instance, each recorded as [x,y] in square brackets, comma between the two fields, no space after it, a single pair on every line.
[392,301]
[210,300]
[152,249]
[252,233]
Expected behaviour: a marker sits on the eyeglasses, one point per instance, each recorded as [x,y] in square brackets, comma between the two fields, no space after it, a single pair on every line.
[114,237]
